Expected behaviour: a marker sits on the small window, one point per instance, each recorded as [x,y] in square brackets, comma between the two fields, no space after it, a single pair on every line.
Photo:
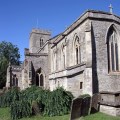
[81,85]
[58,84]
[41,42]
[30,74]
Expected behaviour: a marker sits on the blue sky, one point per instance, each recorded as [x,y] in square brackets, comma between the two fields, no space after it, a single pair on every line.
[18,17]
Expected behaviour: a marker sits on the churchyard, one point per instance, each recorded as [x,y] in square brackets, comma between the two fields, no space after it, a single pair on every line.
[35,103]
[5,115]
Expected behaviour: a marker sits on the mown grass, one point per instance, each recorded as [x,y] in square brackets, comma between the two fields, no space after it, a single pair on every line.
[5,115]
[100,116]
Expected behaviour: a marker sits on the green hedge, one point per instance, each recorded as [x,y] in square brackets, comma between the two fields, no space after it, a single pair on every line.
[20,109]
[7,98]
[57,102]
[53,103]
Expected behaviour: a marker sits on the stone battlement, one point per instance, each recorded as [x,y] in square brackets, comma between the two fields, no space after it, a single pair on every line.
[15,67]
[40,31]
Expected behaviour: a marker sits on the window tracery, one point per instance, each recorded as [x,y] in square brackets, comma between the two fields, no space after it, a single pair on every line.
[77,50]
[113,51]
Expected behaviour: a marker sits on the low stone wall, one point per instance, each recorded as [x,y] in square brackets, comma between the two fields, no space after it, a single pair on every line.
[110,110]
[110,103]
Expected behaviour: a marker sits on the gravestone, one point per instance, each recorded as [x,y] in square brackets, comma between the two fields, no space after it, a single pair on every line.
[86,104]
[95,103]
[76,108]
[35,108]
[1,93]
[80,107]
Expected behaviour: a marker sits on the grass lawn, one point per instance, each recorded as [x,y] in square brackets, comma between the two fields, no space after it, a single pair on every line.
[100,116]
[5,115]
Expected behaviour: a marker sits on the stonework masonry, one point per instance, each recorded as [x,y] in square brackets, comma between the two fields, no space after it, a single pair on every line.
[83,59]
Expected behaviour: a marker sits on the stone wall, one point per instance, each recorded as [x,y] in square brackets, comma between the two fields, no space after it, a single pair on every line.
[38,55]
[106,81]
[65,70]
[35,36]
[12,71]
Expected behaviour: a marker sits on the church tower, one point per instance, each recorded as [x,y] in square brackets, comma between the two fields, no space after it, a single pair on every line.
[37,39]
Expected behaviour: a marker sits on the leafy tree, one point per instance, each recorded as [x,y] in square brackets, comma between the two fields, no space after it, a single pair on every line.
[8,53]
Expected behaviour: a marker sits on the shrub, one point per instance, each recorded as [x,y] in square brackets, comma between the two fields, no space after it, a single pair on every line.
[7,98]
[35,99]
[20,109]
[57,102]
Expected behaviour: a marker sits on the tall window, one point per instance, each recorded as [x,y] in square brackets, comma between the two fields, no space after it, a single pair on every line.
[54,59]
[77,50]
[63,56]
[14,81]
[39,78]
[113,62]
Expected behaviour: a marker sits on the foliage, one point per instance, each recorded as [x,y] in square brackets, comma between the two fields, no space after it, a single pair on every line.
[57,102]
[49,103]
[9,97]
[20,109]
[53,103]
[8,53]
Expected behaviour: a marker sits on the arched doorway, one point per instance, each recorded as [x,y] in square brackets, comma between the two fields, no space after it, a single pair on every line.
[39,78]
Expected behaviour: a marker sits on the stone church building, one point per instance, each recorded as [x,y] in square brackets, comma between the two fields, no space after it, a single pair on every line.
[83,59]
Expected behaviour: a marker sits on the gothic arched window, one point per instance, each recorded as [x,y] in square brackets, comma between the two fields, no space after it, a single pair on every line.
[54,59]
[63,56]
[77,50]
[113,53]
[14,80]
[39,78]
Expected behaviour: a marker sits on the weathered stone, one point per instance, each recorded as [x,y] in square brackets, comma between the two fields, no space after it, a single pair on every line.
[78,59]
[95,103]
[35,108]
[80,107]
[76,108]
[114,98]
[86,104]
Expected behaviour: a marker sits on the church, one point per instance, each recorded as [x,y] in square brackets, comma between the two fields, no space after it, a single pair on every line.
[83,59]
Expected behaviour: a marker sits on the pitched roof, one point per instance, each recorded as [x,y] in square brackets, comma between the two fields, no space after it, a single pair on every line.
[91,14]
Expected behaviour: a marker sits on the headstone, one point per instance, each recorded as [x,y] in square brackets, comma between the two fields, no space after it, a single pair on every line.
[80,107]
[1,93]
[94,104]
[76,108]
[86,106]
[35,108]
